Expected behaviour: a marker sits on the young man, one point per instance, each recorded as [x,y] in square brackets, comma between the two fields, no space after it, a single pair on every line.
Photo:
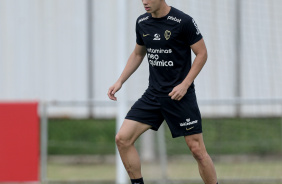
[167,35]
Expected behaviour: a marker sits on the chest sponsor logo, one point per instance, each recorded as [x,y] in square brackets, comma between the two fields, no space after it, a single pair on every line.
[157,36]
[167,34]
[188,122]
[142,19]
[174,19]
[155,60]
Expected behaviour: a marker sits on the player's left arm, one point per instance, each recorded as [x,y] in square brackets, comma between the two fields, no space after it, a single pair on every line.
[200,50]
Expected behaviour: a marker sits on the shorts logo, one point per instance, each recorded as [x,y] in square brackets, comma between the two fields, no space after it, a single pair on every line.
[167,34]
[189,128]
[157,36]
[188,122]
[144,35]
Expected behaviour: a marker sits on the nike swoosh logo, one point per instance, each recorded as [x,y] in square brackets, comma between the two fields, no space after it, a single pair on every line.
[144,35]
[189,128]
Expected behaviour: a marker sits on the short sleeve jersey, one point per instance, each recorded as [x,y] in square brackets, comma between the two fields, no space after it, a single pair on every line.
[167,40]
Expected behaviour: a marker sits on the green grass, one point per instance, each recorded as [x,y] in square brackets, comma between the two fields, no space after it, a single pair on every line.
[180,169]
[81,136]
[222,136]
[237,136]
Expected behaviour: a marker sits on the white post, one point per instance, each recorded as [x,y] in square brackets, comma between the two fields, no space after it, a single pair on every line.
[43,142]
[162,153]
[281,126]
[148,147]
[121,31]
[121,174]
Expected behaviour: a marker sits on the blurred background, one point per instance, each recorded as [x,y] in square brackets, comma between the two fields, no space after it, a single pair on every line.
[65,54]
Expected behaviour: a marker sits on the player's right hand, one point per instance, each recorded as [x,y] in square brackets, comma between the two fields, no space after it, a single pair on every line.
[113,89]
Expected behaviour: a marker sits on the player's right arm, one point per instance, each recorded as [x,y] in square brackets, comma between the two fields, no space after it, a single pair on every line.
[133,62]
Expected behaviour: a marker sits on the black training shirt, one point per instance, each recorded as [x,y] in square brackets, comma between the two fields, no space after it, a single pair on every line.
[167,40]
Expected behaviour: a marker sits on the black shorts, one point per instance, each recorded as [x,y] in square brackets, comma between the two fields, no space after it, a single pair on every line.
[183,117]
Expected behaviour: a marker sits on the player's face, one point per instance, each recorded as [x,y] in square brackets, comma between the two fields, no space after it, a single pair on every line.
[152,6]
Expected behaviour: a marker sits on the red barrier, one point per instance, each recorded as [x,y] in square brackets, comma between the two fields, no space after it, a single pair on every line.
[19,142]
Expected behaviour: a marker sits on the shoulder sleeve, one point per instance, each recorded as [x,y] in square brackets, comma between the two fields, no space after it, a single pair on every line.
[139,39]
[191,32]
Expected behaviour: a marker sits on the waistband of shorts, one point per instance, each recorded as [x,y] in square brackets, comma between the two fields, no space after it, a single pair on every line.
[164,95]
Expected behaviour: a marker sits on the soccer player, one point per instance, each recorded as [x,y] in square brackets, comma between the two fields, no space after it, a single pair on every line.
[167,36]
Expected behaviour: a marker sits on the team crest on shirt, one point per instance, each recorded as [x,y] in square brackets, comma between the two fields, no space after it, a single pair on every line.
[157,36]
[167,34]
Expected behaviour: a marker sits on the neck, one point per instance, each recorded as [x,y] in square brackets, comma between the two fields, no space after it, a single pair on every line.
[162,11]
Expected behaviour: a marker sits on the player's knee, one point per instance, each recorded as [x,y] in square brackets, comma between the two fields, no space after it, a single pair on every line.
[122,141]
[199,152]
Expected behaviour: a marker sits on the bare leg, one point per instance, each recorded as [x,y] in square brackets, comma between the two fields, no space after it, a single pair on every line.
[205,164]
[125,138]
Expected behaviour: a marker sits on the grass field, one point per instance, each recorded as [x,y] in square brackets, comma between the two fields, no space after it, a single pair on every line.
[255,146]
[179,169]
[222,136]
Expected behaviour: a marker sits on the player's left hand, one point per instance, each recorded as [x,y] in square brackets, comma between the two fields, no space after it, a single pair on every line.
[178,92]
